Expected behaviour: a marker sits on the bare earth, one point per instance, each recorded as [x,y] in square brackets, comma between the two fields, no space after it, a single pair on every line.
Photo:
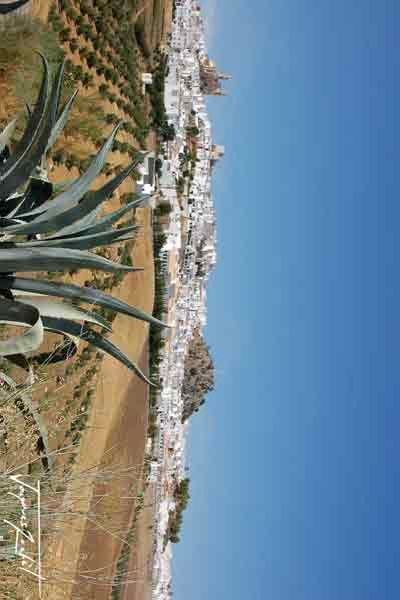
[119,415]
[127,438]
[117,427]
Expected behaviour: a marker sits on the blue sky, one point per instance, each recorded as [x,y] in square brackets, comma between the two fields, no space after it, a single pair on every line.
[295,459]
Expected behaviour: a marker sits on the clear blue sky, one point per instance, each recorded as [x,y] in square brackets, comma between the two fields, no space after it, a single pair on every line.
[295,459]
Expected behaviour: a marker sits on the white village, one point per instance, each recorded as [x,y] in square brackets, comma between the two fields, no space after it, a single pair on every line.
[188,257]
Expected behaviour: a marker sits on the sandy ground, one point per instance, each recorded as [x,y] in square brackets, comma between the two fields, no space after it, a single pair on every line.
[127,439]
[141,557]
[119,412]
[40,9]
[116,389]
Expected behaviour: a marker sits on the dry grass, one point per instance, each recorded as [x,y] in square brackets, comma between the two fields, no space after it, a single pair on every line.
[118,417]
[156,16]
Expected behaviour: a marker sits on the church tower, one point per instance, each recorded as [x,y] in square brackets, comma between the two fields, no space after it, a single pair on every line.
[211,78]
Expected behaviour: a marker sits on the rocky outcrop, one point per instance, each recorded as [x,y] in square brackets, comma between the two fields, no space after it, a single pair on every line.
[198,377]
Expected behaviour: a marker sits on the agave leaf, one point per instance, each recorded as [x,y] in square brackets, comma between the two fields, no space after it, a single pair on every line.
[113,217]
[6,134]
[76,229]
[34,153]
[93,199]
[71,291]
[92,337]
[11,6]
[61,310]
[78,189]
[57,94]
[18,202]
[17,313]
[60,124]
[84,242]
[55,259]
[100,225]
[39,190]
[5,221]
[32,128]
[8,206]
[71,215]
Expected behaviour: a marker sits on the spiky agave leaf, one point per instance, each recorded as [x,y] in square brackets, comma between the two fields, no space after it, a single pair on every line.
[83,242]
[75,292]
[6,134]
[61,122]
[103,223]
[12,6]
[17,313]
[11,204]
[90,224]
[78,189]
[38,191]
[71,223]
[48,307]
[16,170]
[72,213]
[55,259]
[92,337]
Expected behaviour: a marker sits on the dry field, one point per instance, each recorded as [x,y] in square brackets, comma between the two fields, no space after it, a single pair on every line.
[115,434]
[157,17]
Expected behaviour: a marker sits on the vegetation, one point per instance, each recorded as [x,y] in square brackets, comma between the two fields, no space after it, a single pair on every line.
[58,254]
[125,553]
[156,340]
[20,64]
[156,92]
[108,48]
[181,497]
[198,376]
[103,60]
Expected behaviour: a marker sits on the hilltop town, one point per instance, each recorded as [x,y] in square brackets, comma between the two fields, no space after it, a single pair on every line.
[188,256]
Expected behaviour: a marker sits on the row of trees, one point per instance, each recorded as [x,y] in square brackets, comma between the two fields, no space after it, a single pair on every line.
[175,521]
[106,46]
[156,340]
[157,96]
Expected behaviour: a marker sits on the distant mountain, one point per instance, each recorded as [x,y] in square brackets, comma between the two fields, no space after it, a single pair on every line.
[198,377]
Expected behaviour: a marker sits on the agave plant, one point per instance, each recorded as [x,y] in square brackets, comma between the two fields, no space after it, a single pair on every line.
[41,230]
[12,6]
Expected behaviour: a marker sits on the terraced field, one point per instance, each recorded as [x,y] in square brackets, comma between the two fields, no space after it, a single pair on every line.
[92,404]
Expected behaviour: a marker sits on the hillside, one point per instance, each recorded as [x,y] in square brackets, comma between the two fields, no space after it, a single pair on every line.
[91,404]
[198,376]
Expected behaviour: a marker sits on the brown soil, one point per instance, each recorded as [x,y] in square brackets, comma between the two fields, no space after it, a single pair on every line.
[107,421]
[40,9]
[141,557]
[119,413]
[157,15]
[127,439]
